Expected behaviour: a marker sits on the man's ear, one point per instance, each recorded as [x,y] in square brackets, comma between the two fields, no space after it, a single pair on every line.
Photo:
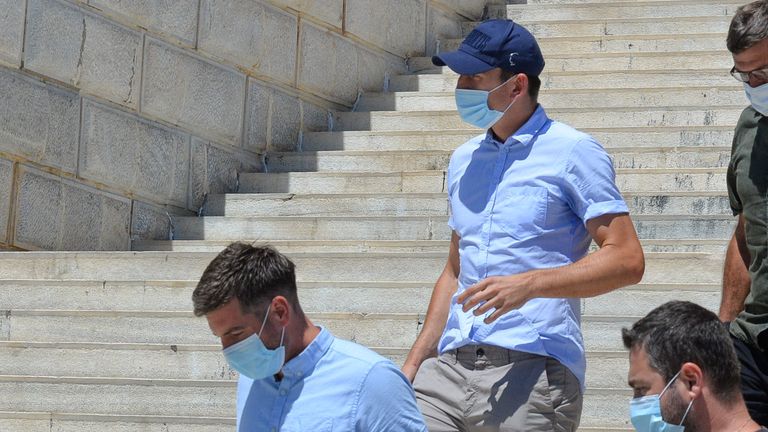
[693,378]
[281,311]
[520,86]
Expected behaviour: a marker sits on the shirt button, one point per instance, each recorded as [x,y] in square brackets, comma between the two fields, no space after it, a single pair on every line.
[282,392]
[480,352]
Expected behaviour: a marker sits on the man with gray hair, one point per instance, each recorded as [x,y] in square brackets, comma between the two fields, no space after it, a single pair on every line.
[745,278]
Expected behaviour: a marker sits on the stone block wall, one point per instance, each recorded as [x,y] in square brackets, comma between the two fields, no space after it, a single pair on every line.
[118,114]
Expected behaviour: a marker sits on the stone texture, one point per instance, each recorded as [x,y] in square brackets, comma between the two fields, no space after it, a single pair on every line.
[441,25]
[472,9]
[314,118]
[364,19]
[257,117]
[273,119]
[11,31]
[150,222]
[328,65]
[174,18]
[260,38]
[57,214]
[330,11]
[215,170]
[285,122]
[6,181]
[84,50]
[38,122]
[375,69]
[194,93]
[131,154]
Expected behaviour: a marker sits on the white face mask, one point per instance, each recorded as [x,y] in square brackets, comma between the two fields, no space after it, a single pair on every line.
[758,97]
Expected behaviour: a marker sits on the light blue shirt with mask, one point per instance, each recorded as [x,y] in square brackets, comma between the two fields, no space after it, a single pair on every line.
[333,385]
[522,205]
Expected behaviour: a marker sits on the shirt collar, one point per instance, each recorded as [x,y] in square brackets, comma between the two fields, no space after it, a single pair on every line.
[527,131]
[302,364]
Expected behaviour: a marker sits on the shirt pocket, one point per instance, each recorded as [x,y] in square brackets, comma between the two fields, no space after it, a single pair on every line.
[521,211]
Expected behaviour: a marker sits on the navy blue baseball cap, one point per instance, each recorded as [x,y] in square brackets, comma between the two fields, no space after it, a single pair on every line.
[496,43]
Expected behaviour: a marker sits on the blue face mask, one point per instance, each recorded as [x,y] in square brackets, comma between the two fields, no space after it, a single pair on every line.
[251,358]
[473,107]
[758,97]
[646,413]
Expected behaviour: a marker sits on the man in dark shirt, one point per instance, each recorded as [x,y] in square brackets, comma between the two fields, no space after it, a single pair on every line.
[745,278]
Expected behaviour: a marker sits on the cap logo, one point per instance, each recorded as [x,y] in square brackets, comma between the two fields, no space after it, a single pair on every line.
[477,40]
[511,58]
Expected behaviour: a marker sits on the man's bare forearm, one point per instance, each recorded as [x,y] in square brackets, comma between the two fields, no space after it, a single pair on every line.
[736,282]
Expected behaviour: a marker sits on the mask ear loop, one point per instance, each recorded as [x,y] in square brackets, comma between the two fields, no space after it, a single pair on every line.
[686,413]
[500,86]
[264,321]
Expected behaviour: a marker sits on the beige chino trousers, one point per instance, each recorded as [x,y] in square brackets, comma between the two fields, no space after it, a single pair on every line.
[486,388]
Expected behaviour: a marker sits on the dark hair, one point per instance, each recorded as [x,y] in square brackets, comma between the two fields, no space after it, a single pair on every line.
[534,83]
[678,332]
[253,275]
[748,27]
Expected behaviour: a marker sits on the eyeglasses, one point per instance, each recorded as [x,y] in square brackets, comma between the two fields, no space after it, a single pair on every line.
[758,74]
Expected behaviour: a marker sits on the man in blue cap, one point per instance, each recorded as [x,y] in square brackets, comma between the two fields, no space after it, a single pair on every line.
[527,197]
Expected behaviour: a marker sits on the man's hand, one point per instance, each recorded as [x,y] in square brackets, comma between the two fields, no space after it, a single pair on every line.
[502,293]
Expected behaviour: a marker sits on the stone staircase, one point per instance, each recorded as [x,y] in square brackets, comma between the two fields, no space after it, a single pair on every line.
[94,341]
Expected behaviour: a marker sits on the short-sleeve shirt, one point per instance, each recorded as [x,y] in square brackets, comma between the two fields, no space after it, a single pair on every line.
[522,205]
[333,385]
[748,192]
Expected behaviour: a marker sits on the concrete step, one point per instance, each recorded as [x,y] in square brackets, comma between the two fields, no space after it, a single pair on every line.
[556,99]
[328,183]
[109,396]
[178,402]
[553,79]
[669,226]
[652,42]
[615,10]
[652,201]
[601,333]
[706,115]
[623,26]
[690,268]
[316,297]
[451,139]
[397,161]
[716,61]
[649,245]
[347,182]
[70,422]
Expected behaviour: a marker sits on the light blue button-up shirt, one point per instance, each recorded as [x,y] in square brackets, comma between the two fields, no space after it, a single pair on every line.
[333,385]
[523,205]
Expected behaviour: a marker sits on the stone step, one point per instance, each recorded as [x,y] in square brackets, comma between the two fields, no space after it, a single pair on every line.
[552,79]
[601,333]
[670,226]
[44,421]
[716,61]
[328,183]
[315,296]
[615,10]
[451,139]
[690,268]
[175,404]
[363,246]
[654,200]
[201,362]
[556,99]
[652,42]
[398,161]
[706,115]
[623,26]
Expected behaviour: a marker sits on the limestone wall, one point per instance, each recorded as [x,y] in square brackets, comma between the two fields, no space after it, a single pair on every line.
[115,114]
